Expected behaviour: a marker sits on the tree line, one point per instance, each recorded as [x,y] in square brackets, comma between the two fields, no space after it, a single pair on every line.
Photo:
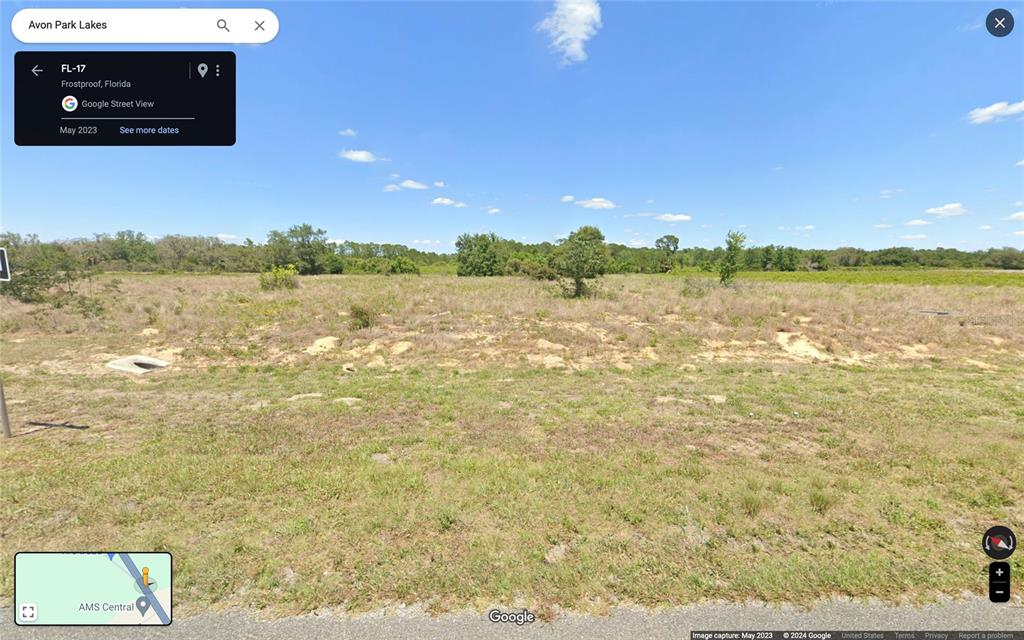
[41,266]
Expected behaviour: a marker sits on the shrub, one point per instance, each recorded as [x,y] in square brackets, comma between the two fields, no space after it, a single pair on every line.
[535,268]
[822,499]
[286,277]
[400,265]
[696,287]
[362,317]
[752,502]
[44,272]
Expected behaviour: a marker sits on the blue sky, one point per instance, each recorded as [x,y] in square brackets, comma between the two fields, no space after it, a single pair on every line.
[808,124]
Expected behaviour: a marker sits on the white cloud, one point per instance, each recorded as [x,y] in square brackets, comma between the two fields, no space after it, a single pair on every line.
[885,194]
[448,202]
[1019,203]
[335,241]
[673,217]
[917,236]
[493,210]
[916,223]
[227,237]
[947,210]
[883,226]
[1019,163]
[568,198]
[1018,233]
[636,242]
[412,184]
[995,112]
[595,203]
[570,25]
[439,183]
[391,188]
[985,227]
[649,201]
[426,242]
[1017,216]
[779,168]
[705,226]
[359,155]
[394,176]
[806,227]
[348,133]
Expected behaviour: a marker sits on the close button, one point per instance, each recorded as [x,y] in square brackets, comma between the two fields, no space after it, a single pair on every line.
[999,22]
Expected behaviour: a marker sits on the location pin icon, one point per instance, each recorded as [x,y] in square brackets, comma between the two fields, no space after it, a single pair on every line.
[142,603]
[202,68]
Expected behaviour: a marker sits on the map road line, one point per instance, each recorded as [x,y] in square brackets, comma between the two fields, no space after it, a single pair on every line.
[157,607]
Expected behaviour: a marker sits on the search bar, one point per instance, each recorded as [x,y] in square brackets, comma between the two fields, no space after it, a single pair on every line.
[142,26]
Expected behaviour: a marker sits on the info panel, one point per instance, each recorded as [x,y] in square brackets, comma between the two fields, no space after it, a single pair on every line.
[114,98]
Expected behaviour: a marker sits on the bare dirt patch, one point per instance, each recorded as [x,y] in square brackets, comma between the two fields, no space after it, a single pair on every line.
[322,345]
[796,344]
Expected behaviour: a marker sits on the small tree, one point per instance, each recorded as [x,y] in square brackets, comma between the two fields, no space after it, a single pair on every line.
[309,247]
[667,243]
[817,261]
[478,255]
[583,256]
[787,259]
[730,262]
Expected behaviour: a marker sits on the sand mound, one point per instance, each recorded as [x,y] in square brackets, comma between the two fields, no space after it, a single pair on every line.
[548,362]
[550,346]
[796,344]
[323,345]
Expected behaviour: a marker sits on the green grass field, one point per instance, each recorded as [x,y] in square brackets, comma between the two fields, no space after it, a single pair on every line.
[488,442]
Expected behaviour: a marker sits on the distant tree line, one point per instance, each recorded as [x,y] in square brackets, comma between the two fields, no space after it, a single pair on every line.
[488,254]
[55,266]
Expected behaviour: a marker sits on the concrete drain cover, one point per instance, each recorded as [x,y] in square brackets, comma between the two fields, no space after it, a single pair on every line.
[137,364]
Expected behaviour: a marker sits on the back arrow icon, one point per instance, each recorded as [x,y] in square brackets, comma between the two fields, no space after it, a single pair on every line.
[36,70]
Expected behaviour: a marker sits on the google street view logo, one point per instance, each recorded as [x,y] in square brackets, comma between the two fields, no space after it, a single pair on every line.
[70,103]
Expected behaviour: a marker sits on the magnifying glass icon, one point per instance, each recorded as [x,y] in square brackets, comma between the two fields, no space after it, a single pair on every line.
[223,24]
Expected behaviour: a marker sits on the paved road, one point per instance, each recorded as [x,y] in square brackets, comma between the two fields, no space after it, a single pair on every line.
[414,624]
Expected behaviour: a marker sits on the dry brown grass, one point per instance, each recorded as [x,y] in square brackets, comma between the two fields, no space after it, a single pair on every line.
[467,322]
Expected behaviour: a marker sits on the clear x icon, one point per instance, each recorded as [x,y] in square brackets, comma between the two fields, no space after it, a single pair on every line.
[999,22]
